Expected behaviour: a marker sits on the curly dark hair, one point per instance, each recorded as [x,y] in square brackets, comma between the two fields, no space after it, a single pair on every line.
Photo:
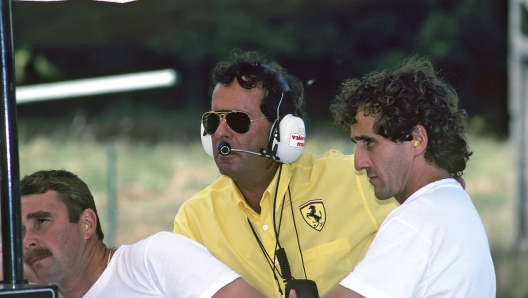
[406,97]
[73,192]
[251,70]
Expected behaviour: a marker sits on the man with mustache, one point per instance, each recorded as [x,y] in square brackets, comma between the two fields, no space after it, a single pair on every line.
[63,245]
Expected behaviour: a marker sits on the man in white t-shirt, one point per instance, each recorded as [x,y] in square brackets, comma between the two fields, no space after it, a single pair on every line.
[409,136]
[63,245]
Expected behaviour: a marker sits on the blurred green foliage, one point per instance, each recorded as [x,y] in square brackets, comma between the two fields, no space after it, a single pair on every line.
[322,43]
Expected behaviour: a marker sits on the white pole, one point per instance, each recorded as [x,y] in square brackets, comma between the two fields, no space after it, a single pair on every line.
[95,86]
[518,92]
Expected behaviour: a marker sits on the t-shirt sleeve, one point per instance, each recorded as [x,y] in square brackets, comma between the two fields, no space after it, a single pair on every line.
[181,267]
[394,264]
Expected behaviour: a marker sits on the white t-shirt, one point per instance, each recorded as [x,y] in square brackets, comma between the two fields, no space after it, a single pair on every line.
[433,245]
[162,265]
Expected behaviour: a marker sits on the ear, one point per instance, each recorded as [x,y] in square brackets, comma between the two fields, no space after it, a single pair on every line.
[88,223]
[419,139]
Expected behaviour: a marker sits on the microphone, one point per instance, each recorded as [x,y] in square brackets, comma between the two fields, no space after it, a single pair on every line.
[225,148]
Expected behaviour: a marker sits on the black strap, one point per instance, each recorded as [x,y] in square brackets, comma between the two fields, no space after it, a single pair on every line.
[280,253]
[270,261]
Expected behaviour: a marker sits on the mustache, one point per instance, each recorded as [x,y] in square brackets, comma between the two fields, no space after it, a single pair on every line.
[37,253]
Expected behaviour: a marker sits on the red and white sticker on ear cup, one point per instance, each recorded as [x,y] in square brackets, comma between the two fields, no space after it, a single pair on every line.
[293,135]
[297,140]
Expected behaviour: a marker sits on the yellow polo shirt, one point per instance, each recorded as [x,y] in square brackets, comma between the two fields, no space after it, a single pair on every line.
[334,209]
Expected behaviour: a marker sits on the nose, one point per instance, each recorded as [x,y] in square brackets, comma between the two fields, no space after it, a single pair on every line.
[29,239]
[223,131]
[361,160]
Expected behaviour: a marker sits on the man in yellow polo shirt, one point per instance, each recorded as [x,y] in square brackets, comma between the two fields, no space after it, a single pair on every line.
[268,205]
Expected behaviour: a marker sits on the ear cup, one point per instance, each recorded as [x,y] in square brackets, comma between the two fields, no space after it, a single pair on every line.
[207,141]
[288,140]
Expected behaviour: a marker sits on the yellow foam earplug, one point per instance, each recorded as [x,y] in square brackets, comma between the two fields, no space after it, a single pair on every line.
[416,143]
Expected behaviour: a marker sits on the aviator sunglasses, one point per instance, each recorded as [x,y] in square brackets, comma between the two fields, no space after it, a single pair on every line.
[237,121]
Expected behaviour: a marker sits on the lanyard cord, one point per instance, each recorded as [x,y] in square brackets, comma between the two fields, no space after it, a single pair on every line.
[297,233]
[277,231]
[268,258]
[271,261]
[285,274]
[280,253]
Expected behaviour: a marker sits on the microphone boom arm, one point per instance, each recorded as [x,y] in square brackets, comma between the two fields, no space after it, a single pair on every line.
[225,148]
[245,151]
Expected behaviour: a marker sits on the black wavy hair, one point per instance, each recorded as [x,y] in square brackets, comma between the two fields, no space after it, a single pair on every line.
[72,191]
[251,70]
[406,97]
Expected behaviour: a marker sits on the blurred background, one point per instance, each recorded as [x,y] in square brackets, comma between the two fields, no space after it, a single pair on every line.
[322,43]
[140,152]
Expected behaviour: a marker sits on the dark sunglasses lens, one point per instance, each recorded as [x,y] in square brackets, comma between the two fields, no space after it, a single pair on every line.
[210,122]
[238,122]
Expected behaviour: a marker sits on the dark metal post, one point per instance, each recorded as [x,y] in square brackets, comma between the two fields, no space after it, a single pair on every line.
[10,192]
[13,284]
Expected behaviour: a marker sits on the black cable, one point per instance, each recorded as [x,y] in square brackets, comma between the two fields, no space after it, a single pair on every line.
[280,253]
[271,261]
[277,231]
[268,258]
[297,233]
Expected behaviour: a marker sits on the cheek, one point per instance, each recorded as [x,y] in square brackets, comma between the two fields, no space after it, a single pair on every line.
[69,239]
[258,137]
[385,165]
[393,167]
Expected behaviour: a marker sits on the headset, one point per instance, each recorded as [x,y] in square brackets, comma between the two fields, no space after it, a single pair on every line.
[287,136]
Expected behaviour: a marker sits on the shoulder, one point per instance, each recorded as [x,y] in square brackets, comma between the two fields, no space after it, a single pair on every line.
[222,186]
[206,207]
[170,243]
[167,237]
[331,157]
[438,205]
[328,155]
[445,195]
[329,168]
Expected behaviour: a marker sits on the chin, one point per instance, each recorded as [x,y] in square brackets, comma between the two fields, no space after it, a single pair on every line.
[41,277]
[382,196]
[226,170]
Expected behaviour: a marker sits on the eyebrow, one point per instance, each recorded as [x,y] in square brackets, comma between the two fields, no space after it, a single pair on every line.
[38,214]
[361,138]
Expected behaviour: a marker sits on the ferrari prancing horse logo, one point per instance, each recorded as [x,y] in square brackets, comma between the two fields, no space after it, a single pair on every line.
[314,213]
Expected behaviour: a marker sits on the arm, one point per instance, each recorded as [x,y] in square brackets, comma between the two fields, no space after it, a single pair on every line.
[341,291]
[237,288]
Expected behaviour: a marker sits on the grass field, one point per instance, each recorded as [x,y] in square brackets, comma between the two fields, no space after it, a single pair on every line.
[153,179]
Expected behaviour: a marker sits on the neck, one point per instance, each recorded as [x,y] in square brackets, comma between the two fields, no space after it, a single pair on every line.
[89,270]
[421,178]
[253,188]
